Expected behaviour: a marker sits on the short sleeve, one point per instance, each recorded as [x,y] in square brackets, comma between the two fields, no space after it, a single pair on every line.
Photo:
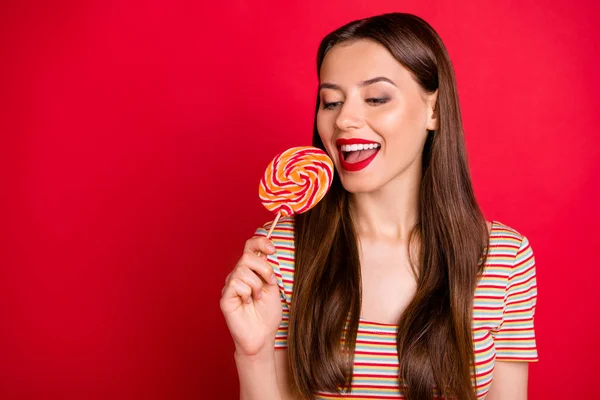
[282,332]
[515,338]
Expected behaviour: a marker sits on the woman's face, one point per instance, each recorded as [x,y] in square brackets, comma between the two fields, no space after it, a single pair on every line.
[369,100]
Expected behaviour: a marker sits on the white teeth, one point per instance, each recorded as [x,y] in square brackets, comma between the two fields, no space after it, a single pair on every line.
[358,147]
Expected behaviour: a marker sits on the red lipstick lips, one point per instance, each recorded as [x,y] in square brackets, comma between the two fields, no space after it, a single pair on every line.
[357,166]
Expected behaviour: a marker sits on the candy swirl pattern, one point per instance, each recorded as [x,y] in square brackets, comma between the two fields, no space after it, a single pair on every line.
[296,180]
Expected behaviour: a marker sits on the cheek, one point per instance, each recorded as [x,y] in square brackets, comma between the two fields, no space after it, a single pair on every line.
[321,121]
[399,125]
[403,130]
[325,128]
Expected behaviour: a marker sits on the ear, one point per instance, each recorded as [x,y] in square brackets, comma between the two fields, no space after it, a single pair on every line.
[432,111]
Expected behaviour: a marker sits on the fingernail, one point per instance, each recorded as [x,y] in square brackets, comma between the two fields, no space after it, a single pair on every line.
[259,295]
[273,279]
[270,247]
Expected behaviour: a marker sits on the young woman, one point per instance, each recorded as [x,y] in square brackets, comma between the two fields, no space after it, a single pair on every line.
[394,285]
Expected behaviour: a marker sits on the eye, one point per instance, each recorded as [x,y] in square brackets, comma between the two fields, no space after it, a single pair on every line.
[331,106]
[373,101]
[377,102]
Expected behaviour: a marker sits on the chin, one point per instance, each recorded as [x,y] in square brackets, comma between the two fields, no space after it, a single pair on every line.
[361,185]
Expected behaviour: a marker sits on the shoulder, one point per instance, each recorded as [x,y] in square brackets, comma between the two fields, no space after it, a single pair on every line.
[514,273]
[506,239]
[511,261]
[509,255]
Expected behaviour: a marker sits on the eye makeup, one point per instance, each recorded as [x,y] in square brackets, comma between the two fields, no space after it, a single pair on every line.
[374,101]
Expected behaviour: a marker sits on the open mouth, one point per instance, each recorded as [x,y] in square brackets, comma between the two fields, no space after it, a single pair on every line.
[356,156]
[354,153]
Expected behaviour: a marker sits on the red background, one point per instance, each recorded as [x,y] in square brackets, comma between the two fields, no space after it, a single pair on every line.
[133,137]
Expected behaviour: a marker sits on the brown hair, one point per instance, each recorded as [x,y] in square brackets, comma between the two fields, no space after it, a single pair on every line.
[434,339]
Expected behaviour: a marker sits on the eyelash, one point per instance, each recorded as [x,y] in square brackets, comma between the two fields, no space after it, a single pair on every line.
[376,102]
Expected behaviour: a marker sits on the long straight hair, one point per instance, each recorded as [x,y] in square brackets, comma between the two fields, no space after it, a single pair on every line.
[434,340]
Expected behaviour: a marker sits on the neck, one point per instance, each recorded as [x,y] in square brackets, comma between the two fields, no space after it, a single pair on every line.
[391,211]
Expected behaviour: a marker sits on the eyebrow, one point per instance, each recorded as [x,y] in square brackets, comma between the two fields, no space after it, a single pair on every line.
[362,84]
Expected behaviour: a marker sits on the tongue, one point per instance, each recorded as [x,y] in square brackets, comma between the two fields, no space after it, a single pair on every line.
[358,156]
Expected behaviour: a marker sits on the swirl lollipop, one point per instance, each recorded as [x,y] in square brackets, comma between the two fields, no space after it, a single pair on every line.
[295,181]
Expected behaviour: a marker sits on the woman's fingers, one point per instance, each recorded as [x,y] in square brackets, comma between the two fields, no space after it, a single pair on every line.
[259,266]
[251,279]
[259,244]
[241,289]
[251,271]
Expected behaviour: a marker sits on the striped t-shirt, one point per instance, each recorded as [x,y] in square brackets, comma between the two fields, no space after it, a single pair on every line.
[503,310]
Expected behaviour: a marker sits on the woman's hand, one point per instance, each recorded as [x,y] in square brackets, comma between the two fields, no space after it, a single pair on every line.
[251,301]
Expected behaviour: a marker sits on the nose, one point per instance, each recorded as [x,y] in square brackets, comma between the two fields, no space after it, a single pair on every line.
[350,117]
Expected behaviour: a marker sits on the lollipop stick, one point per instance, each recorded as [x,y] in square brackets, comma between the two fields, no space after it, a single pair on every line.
[272,227]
